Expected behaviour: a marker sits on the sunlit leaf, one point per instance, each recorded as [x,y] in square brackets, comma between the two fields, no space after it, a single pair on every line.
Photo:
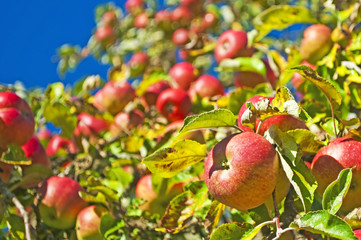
[150,79]
[243,64]
[307,140]
[214,214]
[231,231]
[15,155]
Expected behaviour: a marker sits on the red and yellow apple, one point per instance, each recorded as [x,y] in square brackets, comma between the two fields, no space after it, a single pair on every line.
[88,223]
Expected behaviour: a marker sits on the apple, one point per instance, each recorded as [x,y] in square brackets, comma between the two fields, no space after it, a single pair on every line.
[316,43]
[284,122]
[57,142]
[141,20]
[163,19]
[231,44]
[109,18]
[149,98]
[209,19]
[357,233]
[134,6]
[16,120]
[181,15]
[89,125]
[5,171]
[241,170]
[138,63]
[36,152]
[43,134]
[270,75]
[174,104]
[180,36]
[114,96]
[105,35]
[297,80]
[183,73]
[155,203]
[61,202]
[88,223]
[248,79]
[206,86]
[339,154]
[127,121]
[195,6]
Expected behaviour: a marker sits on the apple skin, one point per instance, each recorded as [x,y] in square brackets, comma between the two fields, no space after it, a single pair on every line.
[5,172]
[206,86]
[181,15]
[16,120]
[134,6]
[150,96]
[155,203]
[138,63]
[61,202]
[57,142]
[209,20]
[88,223]
[231,44]
[89,125]
[297,80]
[36,152]
[105,35]
[126,121]
[109,18]
[43,134]
[357,233]
[251,174]
[284,122]
[316,43]
[141,20]
[180,36]
[248,79]
[183,73]
[174,104]
[114,96]
[341,153]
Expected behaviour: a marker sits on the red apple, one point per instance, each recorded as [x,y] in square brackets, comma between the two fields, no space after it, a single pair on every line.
[174,104]
[162,16]
[341,153]
[88,223]
[206,86]
[16,120]
[231,44]
[241,170]
[61,202]
[109,18]
[89,125]
[43,134]
[181,15]
[127,121]
[36,152]
[284,122]
[138,63]
[248,79]
[297,80]
[5,171]
[357,233]
[151,94]
[105,35]
[134,6]
[155,203]
[209,19]
[57,142]
[316,43]
[180,36]
[141,20]
[114,96]
[183,73]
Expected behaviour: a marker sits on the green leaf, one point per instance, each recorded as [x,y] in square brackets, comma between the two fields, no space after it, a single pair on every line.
[15,155]
[307,140]
[285,102]
[181,208]
[242,64]
[280,17]
[212,119]
[107,192]
[169,161]
[251,234]
[16,227]
[231,231]
[322,222]
[336,191]
[296,170]
[61,116]
[214,214]
[326,87]
[106,223]
[99,198]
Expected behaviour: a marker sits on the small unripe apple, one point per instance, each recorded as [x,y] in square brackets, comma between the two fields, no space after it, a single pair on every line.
[174,104]
[89,125]
[57,142]
[341,153]
[183,73]
[150,96]
[88,223]
[16,120]
[180,36]
[316,43]
[114,96]
[206,86]
[105,35]
[141,20]
[231,44]
[61,202]
[241,170]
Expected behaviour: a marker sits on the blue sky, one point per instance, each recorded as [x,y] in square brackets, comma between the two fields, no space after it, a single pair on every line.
[33,30]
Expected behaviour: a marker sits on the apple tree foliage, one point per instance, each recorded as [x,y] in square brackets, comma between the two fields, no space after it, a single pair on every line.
[109,162]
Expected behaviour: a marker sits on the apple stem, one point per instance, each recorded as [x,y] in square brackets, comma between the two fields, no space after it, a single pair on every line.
[238,128]
[259,127]
[9,195]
